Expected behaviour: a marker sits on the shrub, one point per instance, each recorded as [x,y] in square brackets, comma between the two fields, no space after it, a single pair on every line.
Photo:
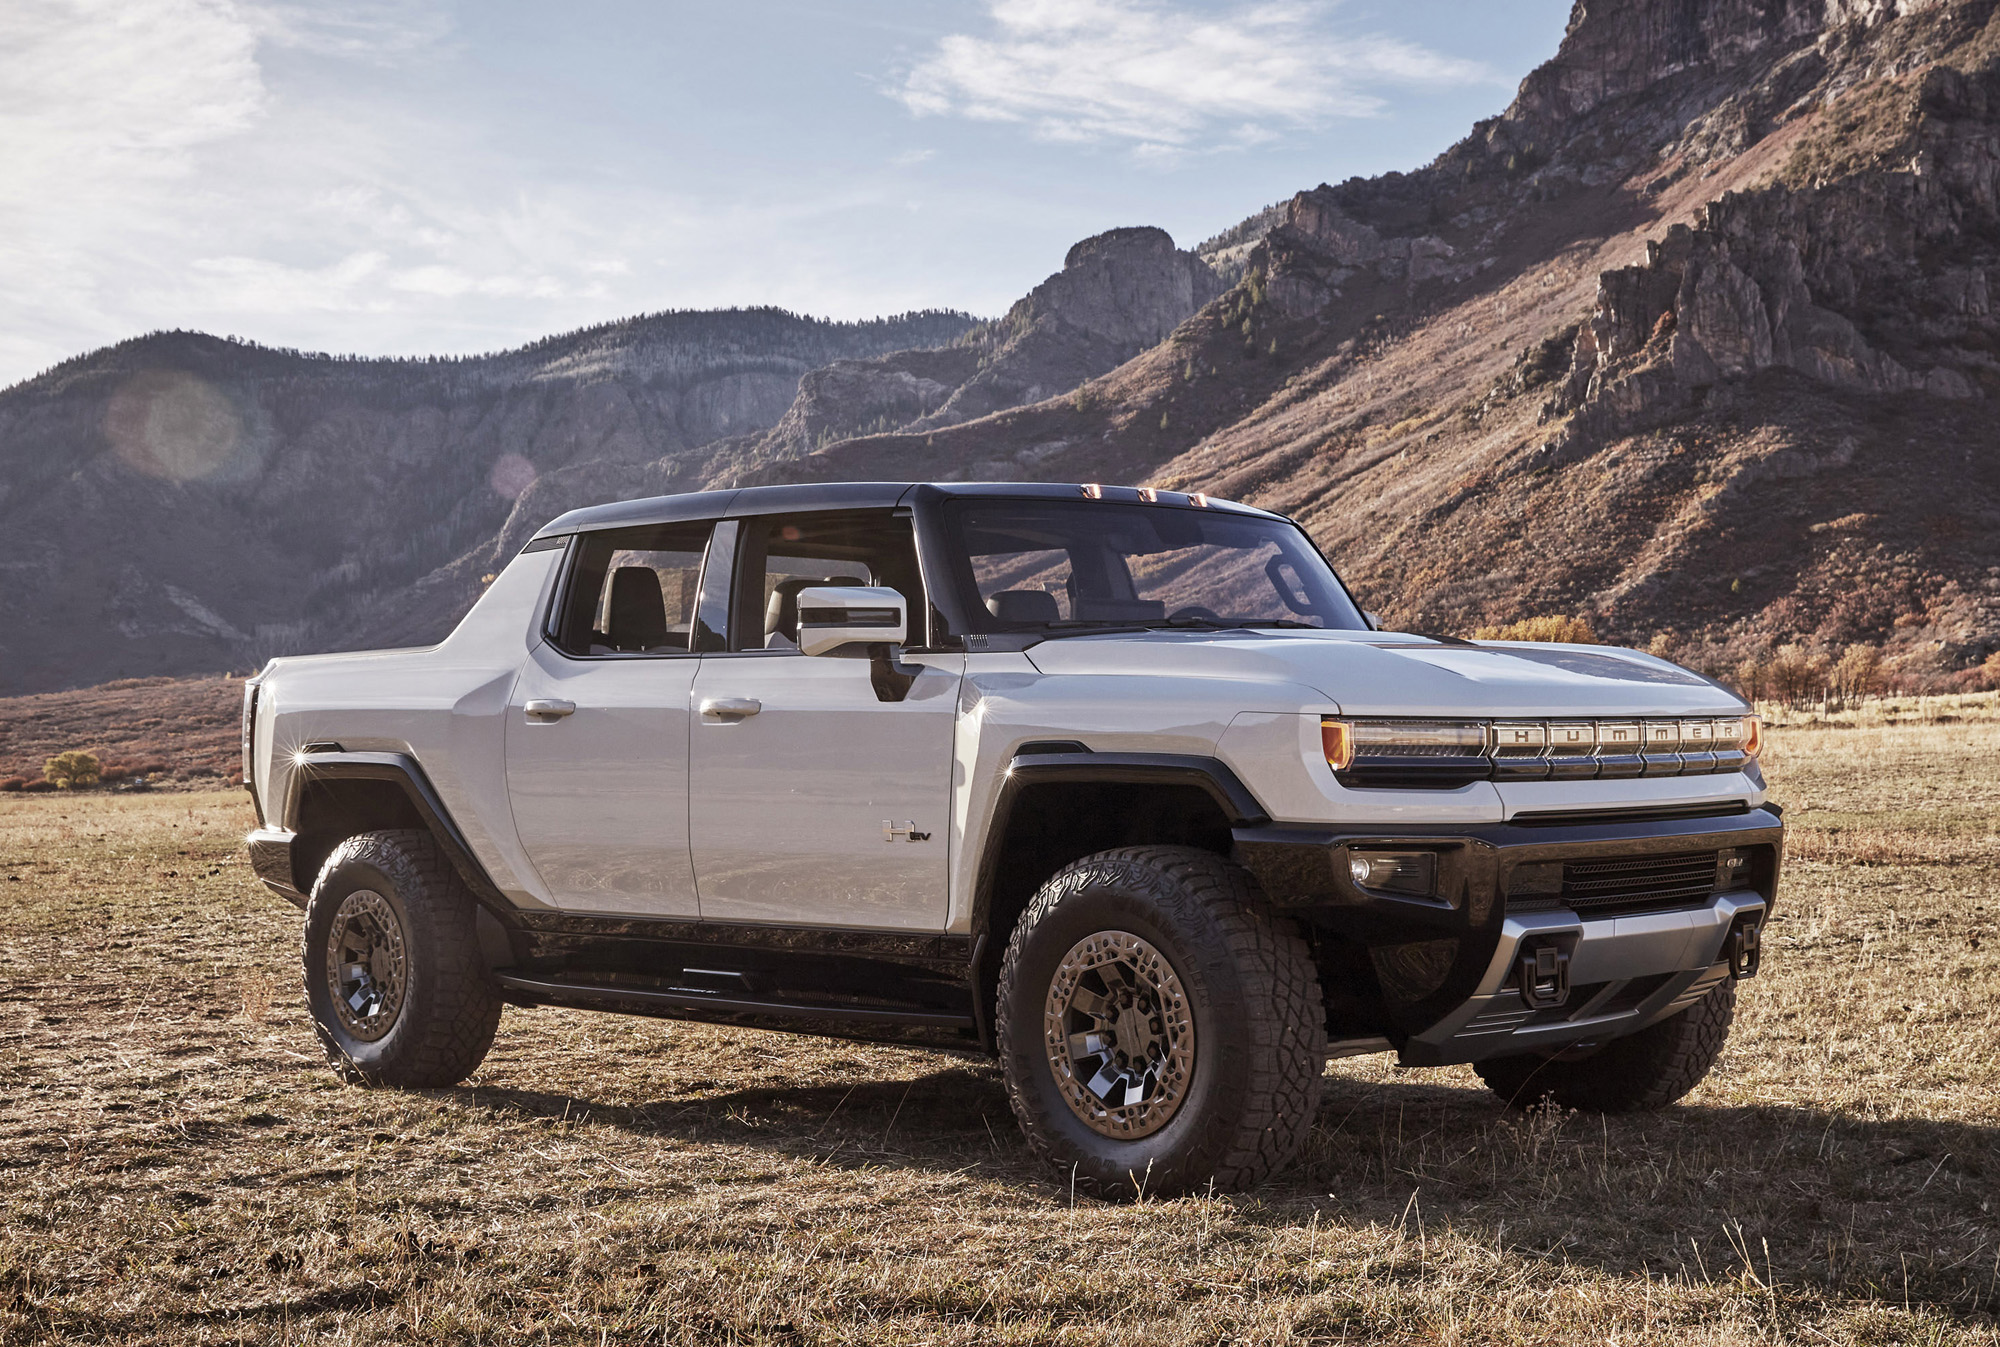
[1796,674]
[13,783]
[1571,630]
[1858,672]
[1753,677]
[68,771]
[39,786]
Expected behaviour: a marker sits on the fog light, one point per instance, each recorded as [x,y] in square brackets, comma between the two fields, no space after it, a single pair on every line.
[1404,872]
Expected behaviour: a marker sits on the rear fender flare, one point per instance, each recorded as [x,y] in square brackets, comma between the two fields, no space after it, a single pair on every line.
[404,772]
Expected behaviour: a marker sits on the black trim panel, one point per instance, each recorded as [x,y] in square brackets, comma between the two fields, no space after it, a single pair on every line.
[403,770]
[271,861]
[940,952]
[1210,774]
[681,999]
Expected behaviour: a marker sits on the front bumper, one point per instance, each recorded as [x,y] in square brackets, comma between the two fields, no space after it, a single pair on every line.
[1624,973]
[1440,978]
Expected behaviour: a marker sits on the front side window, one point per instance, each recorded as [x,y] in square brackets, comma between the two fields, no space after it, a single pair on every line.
[1055,563]
[783,554]
[632,591]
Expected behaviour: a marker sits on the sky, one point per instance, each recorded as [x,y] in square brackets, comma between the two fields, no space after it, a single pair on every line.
[417,176]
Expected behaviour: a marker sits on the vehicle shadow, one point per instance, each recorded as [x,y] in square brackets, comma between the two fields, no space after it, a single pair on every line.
[1897,1209]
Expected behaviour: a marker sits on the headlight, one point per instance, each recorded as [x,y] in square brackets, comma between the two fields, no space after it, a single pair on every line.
[1445,754]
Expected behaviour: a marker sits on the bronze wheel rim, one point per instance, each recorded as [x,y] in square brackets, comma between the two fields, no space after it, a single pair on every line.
[367,970]
[1119,1035]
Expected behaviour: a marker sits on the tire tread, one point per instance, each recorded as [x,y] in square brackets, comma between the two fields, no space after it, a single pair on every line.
[1284,1011]
[461,1011]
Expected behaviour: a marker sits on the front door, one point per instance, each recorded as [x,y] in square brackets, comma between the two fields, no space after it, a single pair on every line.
[813,803]
[597,727]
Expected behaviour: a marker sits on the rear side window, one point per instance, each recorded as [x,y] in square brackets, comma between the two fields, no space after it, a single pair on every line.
[633,591]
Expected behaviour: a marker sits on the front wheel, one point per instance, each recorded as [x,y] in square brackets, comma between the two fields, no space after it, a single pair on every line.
[394,978]
[1646,1070]
[1160,1027]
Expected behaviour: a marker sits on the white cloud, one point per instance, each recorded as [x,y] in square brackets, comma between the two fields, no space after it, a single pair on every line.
[151,176]
[1165,79]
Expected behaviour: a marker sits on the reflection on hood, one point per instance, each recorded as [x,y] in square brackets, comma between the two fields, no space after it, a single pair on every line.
[1600,666]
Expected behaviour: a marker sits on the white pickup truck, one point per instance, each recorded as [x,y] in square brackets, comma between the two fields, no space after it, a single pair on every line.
[1115,784]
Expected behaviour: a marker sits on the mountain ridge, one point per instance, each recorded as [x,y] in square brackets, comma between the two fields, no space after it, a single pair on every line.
[1694,340]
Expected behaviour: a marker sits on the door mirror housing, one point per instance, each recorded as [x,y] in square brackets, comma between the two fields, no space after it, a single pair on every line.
[846,619]
[1374,620]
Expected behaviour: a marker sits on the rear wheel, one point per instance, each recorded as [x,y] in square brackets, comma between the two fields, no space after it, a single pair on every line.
[1646,1070]
[1160,1027]
[394,977]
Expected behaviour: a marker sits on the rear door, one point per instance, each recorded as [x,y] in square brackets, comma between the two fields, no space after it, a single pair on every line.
[814,803]
[597,727]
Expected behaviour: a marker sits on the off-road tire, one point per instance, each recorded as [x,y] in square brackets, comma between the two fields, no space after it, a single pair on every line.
[450,1005]
[1646,1070]
[1253,995]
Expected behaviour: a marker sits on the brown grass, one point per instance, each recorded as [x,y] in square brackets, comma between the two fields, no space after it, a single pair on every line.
[176,1166]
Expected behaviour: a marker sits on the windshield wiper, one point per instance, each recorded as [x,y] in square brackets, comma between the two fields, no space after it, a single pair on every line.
[1076,627]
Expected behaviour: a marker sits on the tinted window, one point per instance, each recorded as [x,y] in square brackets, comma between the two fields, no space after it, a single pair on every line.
[633,591]
[783,554]
[1037,563]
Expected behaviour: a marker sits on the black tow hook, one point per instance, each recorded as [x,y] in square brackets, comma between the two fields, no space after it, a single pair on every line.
[1544,975]
[1745,946]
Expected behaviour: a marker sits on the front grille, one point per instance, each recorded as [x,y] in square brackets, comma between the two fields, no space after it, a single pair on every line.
[1604,886]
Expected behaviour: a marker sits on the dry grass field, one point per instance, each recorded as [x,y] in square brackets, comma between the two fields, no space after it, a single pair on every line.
[177,1167]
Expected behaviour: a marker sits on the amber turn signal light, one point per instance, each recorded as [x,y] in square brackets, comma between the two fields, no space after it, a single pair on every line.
[1753,735]
[1338,738]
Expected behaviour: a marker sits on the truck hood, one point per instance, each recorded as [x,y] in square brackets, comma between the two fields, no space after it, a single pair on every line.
[1397,674]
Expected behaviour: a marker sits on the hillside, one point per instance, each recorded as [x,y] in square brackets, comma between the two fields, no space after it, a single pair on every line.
[1695,339]
[186,730]
[180,503]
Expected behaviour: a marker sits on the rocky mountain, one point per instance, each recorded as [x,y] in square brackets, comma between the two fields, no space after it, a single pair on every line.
[1696,341]
[182,503]
[1118,295]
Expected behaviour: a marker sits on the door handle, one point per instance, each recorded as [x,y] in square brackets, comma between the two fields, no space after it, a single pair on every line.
[546,709]
[730,708]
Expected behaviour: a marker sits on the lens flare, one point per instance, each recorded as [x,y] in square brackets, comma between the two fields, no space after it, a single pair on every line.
[172,425]
[511,475]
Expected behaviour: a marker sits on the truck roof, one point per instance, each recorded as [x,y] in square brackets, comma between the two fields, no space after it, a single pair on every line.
[752,500]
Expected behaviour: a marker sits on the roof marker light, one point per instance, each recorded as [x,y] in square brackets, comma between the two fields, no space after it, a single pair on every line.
[1199,500]
[1093,490]
[1147,494]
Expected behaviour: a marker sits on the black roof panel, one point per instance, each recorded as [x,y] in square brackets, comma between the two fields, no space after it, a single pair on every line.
[754,500]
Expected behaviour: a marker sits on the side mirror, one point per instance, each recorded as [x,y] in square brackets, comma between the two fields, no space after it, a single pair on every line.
[1374,620]
[835,617]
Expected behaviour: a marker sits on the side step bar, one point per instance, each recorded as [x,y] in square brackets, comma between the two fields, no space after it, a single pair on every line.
[670,1000]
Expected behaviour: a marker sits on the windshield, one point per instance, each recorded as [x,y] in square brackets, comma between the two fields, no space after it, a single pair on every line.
[1055,563]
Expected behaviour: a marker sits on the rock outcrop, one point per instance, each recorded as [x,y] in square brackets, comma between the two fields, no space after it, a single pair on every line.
[1118,293]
